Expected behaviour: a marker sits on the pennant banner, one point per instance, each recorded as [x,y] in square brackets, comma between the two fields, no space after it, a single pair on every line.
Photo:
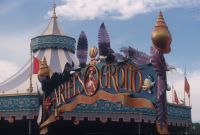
[187,87]
[176,97]
[36,65]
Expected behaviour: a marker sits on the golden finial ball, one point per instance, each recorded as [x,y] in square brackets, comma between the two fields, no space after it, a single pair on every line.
[93,52]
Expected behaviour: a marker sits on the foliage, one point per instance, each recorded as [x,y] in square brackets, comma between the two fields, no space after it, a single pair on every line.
[195,128]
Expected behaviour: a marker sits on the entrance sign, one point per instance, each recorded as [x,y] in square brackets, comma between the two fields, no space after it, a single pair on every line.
[131,85]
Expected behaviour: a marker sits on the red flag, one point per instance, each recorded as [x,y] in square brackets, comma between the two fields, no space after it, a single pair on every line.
[36,65]
[172,93]
[187,87]
[176,98]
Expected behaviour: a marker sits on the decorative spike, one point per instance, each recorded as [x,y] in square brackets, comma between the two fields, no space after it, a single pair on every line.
[161,36]
[53,27]
[82,49]
[54,11]
[103,39]
[160,21]
[44,61]
[102,26]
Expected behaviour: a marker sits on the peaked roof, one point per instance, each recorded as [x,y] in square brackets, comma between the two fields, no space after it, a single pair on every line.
[53,28]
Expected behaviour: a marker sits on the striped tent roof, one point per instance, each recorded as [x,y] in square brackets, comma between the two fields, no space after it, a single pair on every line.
[57,53]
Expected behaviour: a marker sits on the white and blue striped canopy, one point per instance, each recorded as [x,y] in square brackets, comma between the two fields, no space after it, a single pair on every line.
[20,82]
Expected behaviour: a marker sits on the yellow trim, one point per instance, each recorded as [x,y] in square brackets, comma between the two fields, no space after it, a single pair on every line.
[19,110]
[18,94]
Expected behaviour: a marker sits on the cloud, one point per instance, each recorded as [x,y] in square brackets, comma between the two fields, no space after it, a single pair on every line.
[178,81]
[7,69]
[116,9]
[15,47]
[9,6]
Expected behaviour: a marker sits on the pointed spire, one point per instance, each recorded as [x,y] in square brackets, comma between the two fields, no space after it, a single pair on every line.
[53,28]
[161,21]
[44,62]
[102,26]
[54,11]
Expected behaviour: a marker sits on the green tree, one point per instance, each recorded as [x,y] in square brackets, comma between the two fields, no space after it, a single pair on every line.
[195,128]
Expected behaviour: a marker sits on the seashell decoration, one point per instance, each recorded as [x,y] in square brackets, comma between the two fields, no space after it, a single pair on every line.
[44,70]
[93,53]
[161,36]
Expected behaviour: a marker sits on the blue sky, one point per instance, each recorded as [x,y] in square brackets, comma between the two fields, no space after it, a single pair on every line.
[129,22]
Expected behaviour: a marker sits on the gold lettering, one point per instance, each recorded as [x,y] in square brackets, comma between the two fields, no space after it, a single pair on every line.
[140,81]
[81,82]
[68,89]
[136,80]
[126,77]
[132,78]
[59,96]
[113,76]
[102,75]
[74,84]
[120,69]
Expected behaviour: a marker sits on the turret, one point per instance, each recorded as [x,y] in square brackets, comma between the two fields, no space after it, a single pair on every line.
[53,37]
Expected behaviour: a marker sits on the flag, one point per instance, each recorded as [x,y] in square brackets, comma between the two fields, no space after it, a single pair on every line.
[176,97]
[36,65]
[172,93]
[187,87]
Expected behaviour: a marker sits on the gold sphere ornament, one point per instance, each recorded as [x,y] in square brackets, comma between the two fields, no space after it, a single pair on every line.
[161,36]
[93,52]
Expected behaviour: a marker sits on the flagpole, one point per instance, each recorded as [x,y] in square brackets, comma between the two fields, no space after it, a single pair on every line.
[172,93]
[184,97]
[189,100]
[31,71]
[184,85]
[189,92]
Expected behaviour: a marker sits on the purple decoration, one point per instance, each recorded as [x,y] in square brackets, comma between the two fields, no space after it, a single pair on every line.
[103,39]
[82,49]
[159,65]
[136,56]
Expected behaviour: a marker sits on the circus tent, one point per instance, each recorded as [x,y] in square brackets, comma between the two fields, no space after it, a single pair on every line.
[52,44]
